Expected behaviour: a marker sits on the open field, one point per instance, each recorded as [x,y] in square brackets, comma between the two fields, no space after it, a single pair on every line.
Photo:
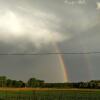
[48,94]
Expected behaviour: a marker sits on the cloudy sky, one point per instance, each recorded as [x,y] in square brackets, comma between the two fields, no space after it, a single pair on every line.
[36,25]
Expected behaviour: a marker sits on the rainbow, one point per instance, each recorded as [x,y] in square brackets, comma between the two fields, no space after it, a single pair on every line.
[63,67]
[61,62]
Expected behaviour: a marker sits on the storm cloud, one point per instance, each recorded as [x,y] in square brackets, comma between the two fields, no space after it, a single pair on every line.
[34,25]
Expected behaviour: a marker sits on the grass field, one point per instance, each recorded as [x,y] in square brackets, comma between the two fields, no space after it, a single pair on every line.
[48,94]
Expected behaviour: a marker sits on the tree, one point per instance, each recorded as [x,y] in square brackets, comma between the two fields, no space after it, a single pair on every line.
[33,82]
[2,81]
[9,83]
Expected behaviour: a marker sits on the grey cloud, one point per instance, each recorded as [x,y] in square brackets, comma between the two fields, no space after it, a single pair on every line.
[80,23]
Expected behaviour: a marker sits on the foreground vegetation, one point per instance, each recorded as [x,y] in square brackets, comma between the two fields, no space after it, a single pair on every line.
[35,89]
[49,94]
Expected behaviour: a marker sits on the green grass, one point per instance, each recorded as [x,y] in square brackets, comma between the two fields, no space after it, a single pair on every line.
[51,95]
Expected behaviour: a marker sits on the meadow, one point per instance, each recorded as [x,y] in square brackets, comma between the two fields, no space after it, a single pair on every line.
[49,94]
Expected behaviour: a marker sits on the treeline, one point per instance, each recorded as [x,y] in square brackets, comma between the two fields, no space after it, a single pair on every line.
[94,84]
[32,82]
[36,83]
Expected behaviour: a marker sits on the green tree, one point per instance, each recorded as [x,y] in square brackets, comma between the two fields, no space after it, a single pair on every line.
[9,83]
[3,81]
[33,82]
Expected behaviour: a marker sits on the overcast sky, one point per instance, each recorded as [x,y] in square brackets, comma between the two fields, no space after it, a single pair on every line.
[35,25]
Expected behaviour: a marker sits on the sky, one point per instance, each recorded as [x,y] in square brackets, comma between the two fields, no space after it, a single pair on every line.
[36,26]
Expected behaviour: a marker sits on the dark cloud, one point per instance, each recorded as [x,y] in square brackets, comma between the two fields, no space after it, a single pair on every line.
[79,23]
